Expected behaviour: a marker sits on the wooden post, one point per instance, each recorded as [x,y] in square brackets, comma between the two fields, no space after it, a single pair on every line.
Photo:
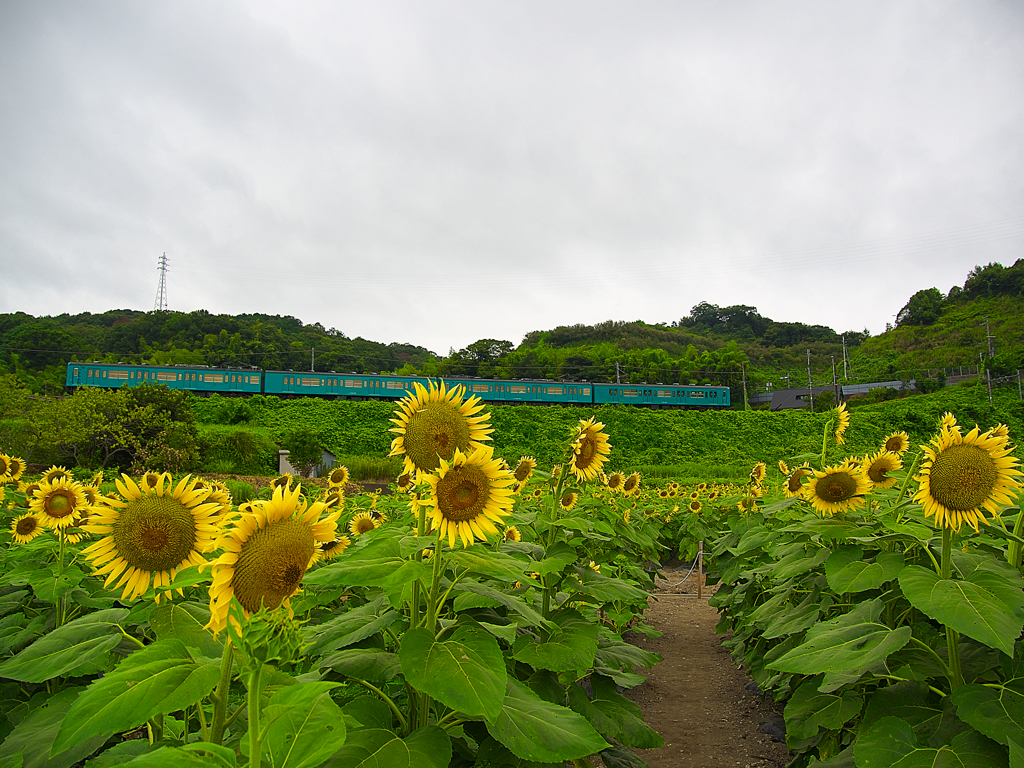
[700,569]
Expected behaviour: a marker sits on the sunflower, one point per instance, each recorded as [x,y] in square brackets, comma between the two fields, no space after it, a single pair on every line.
[148,535]
[747,504]
[590,449]
[758,473]
[267,552]
[59,503]
[948,420]
[282,481]
[795,481]
[334,498]
[695,507]
[361,523]
[783,467]
[25,528]
[55,473]
[964,474]
[897,442]
[625,516]
[568,500]
[524,469]
[11,468]
[431,424]
[878,467]
[469,495]
[538,493]
[154,482]
[332,549]
[836,489]
[404,482]
[337,477]
[631,484]
[29,489]
[663,493]
[512,534]
[842,422]
[615,481]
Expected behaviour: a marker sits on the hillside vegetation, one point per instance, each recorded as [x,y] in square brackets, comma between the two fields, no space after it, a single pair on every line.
[711,345]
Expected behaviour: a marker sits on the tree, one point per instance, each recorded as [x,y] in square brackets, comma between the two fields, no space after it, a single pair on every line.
[304,451]
[923,308]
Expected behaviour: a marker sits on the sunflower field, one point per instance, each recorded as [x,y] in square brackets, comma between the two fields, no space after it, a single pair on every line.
[473,618]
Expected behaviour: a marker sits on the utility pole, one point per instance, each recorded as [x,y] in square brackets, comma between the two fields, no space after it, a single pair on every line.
[312,359]
[845,376]
[160,305]
[835,385]
[810,386]
[746,404]
[989,336]
[617,380]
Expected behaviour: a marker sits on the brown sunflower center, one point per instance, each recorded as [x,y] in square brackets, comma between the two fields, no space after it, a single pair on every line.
[462,493]
[26,526]
[962,477]
[364,524]
[523,471]
[893,445]
[793,483]
[150,479]
[338,476]
[433,433]
[60,503]
[878,471]
[155,533]
[271,564]
[836,487]
[5,467]
[586,451]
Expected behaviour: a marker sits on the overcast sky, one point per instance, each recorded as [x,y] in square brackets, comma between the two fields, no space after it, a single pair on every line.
[441,172]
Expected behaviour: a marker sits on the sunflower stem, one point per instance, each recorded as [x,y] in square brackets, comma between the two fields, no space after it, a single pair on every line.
[387,700]
[910,476]
[253,703]
[220,696]
[956,678]
[1013,553]
[421,530]
[204,731]
[435,583]
[552,532]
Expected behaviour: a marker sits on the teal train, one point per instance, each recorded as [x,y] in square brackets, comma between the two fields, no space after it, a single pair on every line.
[204,381]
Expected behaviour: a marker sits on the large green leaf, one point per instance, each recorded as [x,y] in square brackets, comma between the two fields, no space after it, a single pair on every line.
[351,627]
[798,563]
[33,736]
[364,663]
[892,743]
[808,710]
[534,729]
[853,642]
[159,679]
[998,712]
[798,618]
[613,715]
[489,563]
[305,725]
[848,571]
[570,647]
[465,672]
[908,700]
[985,608]
[604,588]
[428,747]
[528,612]
[76,646]
[185,621]
[355,573]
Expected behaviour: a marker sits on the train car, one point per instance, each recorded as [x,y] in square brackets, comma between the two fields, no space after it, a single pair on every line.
[199,379]
[347,386]
[662,395]
[536,391]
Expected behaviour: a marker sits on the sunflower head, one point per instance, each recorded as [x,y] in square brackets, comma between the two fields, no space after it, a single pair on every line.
[432,423]
[524,469]
[615,481]
[282,481]
[836,489]
[512,534]
[747,504]
[783,467]
[965,474]
[842,421]
[631,484]
[153,482]
[897,442]
[469,495]
[332,549]
[58,503]
[335,498]
[878,467]
[11,468]
[795,481]
[568,500]
[337,477]
[267,551]
[362,522]
[55,473]
[148,536]
[26,527]
[695,506]
[590,449]
[758,473]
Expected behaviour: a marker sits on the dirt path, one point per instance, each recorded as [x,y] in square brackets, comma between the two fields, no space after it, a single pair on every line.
[697,697]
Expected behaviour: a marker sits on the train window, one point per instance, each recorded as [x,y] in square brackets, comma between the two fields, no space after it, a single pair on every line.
[664,393]
[395,385]
[518,390]
[696,395]
[353,383]
[554,390]
[631,393]
[586,390]
[215,377]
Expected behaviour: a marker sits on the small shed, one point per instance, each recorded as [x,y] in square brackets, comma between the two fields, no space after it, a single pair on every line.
[327,462]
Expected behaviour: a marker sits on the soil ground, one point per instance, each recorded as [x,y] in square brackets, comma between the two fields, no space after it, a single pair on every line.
[703,705]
